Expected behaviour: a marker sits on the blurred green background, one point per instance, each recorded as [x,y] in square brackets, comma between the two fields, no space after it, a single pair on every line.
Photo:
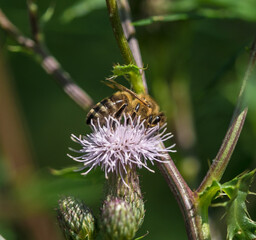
[194,70]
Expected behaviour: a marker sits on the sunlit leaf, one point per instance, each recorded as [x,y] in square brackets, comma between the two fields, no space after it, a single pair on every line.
[82,8]
[214,9]
[46,17]
[67,172]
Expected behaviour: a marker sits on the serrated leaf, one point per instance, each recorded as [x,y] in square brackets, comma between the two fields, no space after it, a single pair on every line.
[82,8]
[122,70]
[240,226]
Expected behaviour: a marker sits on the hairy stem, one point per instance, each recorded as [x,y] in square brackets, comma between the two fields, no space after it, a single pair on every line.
[129,32]
[184,196]
[119,33]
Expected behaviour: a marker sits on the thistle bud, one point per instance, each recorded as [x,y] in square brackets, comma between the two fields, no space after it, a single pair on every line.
[118,220]
[128,189]
[76,219]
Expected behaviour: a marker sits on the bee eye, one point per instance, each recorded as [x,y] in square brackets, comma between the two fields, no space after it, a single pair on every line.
[156,120]
[150,118]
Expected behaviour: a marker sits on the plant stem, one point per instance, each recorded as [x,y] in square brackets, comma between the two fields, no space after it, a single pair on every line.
[129,32]
[32,11]
[48,62]
[184,196]
[119,33]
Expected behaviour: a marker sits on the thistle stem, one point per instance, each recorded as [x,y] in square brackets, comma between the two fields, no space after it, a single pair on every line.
[184,196]
[130,32]
[119,33]
[138,85]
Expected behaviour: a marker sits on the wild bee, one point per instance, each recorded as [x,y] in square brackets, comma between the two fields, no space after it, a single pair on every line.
[126,101]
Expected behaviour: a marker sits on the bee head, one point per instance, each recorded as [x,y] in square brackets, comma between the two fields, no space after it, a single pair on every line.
[153,120]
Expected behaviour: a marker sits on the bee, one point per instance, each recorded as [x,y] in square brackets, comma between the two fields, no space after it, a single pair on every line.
[126,101]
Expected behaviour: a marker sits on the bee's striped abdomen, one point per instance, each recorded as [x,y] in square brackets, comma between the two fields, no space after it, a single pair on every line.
[114,106]
[101,109]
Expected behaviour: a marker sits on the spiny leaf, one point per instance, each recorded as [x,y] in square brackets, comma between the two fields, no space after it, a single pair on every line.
[122,70]
[240,226]
[132,73]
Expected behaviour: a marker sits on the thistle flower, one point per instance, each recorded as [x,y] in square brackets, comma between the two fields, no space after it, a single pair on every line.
[119,144]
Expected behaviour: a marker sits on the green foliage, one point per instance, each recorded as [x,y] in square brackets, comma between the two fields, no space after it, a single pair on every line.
[48,14]
[207,196]
[82,8]
[240,226]
[205,199]
[69,172]
[132,74]
[219,9]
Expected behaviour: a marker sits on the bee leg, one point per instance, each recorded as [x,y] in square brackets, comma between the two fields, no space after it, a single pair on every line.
[118,114]
[134,114]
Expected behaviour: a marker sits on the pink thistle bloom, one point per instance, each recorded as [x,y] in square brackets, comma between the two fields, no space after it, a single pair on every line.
[120,144]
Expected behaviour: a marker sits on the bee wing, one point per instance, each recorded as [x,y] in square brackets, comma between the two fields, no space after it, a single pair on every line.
[113,84]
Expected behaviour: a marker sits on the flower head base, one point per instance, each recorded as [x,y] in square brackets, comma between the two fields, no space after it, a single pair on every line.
[121,143]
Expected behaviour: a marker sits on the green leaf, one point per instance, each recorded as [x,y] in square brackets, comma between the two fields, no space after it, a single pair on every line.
[143,236]
[240,226]
[48,14]
[82,8]
[204,201]
[132,74]
[69,172]
[207,9]
[206,197]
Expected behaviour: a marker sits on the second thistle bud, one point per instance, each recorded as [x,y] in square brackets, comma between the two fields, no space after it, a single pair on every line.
[123,210]
[76,219]
[118,220]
